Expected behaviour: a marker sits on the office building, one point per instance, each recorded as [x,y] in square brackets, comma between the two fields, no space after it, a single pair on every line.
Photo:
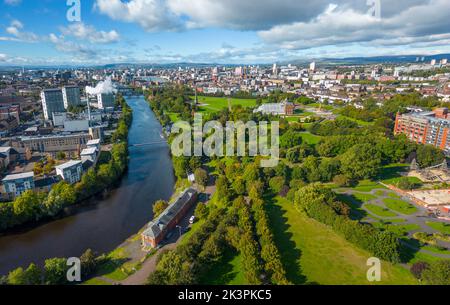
[52,101]
[105,100]
[71,96]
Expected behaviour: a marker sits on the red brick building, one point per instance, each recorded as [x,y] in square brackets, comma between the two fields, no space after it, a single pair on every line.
[426,128]
[158,229]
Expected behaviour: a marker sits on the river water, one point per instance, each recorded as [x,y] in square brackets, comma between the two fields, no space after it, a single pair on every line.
[104,224]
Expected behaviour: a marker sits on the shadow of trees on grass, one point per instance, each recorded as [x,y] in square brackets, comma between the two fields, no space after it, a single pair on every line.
[290,254]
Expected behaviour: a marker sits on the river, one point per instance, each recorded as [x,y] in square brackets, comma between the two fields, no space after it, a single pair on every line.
[103,224]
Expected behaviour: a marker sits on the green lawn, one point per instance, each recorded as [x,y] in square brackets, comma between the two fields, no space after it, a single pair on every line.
[312,253]
[364,197]
[379,211]
[367,186]
[174,117]
[227,272]
[310,138]
[439,226]
[400,206]
[437,250]
[96,282]
[216,104]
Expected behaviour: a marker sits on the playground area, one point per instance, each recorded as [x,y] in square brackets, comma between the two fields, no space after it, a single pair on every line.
[434,174]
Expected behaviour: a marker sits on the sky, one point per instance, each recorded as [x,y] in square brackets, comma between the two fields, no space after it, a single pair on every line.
[217,31]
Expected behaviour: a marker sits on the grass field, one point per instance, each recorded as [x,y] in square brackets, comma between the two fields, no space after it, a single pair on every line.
[312,253]
[227,272]
[400,206]
[364,197]
[439,226]
[309,138]
[174,117]
[216,104]
[379,211]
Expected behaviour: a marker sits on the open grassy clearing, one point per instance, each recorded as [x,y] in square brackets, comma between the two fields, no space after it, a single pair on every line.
[400,206]
[311,139]
[312,252]
[216,104]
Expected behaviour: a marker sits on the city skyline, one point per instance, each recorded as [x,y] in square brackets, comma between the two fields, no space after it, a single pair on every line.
[206,31]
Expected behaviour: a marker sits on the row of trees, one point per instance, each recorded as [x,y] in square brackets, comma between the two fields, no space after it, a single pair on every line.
[320,203]
[54,271]
[33,206]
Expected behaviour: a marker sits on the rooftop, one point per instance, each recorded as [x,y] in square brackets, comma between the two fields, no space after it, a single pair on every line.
[159,224]
[19,176]
[68,164]
[89,151]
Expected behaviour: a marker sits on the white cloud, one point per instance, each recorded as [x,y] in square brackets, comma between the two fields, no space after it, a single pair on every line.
[3,57]
[152,15]
[15,30]
[89,33]
[342,25]
[66,46]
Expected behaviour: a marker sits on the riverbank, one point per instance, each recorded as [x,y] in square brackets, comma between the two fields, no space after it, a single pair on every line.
[32,208]
[104,223]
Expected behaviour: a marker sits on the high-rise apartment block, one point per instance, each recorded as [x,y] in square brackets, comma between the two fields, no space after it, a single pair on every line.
[426,128]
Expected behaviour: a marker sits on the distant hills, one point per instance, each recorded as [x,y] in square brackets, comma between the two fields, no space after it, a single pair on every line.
[394,59]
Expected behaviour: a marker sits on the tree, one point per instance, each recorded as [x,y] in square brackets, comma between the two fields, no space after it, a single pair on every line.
[428,155]
[418,268]
[17,277]
[26,205]
[341,181]
[33,275]
[61,155]
[159,207]
[201,177]
[290,139]
[55,271]
[276,184]
[222,188]
[361,162]
[88,262]
[239,186]
[202,211]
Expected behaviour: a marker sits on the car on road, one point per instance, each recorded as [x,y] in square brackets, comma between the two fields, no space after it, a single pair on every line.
[192,220]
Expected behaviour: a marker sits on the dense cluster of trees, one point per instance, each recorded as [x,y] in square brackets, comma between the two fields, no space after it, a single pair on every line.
[174,99]
[320,203]
[390,108]
[33,206]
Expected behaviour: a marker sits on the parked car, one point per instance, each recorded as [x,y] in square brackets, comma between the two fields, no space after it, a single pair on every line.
[192,220]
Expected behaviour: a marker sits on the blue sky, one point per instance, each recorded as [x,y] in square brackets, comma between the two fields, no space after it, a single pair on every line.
[220,31]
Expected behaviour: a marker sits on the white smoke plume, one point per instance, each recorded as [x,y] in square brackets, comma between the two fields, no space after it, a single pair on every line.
[105,87]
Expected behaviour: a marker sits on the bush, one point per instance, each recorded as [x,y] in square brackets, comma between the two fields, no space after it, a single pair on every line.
[276,184]
[342,181]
